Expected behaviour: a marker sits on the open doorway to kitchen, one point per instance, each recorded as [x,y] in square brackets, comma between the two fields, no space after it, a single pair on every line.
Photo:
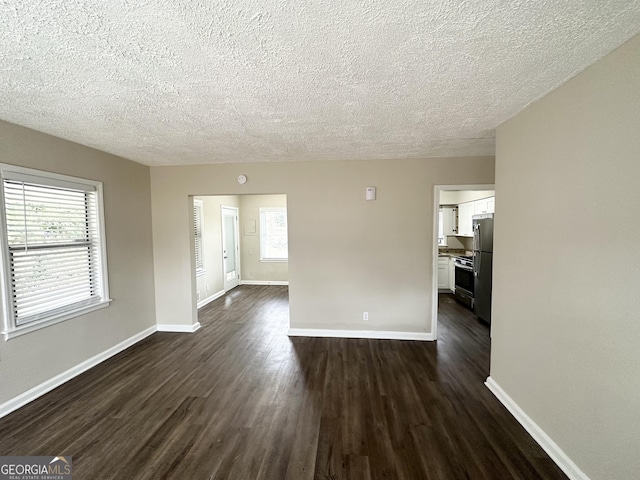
[238,240]
[455,263]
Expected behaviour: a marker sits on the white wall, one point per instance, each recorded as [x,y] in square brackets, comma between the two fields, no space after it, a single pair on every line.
[34,358]
[252,268]
[566,329]
[455,197]
[346,255]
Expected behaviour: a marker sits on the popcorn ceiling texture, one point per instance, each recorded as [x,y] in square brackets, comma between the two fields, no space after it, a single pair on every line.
[167,82]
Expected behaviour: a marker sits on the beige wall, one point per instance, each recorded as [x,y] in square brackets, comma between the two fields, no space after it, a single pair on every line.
[346,255]
[212,244]
[31,359]
[252,268]
[566,329]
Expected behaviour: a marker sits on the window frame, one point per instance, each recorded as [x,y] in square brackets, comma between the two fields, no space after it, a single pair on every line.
[10,328]
[263,212]
[198,210]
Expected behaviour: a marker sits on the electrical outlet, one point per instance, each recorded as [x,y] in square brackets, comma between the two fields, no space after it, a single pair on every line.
[198,295]
[365,316]
[206,288]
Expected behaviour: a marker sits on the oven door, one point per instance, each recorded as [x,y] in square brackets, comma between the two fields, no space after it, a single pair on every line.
[464,285]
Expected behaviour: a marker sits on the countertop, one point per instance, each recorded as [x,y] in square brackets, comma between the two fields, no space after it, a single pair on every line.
[453,252]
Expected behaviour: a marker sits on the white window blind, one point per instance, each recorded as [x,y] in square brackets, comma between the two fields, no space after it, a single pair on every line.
[197,233]
[274,243]
[53,253]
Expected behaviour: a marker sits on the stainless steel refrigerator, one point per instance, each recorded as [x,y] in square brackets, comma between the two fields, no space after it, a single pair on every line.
[482,264]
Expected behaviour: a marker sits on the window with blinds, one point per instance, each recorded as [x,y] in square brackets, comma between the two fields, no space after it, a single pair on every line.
[53,246]
[197,235]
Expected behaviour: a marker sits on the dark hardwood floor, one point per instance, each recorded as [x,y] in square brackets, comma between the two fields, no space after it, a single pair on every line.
[241,400]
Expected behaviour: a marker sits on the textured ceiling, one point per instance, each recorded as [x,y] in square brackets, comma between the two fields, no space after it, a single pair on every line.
[167,82]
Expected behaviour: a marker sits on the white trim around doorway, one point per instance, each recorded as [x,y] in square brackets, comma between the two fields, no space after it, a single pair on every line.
[434,260]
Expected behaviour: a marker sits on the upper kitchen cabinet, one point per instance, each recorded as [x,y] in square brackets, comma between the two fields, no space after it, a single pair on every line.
[467,210]
[447,224]
[450,221]
[460,219]
[485,205]
[465,224]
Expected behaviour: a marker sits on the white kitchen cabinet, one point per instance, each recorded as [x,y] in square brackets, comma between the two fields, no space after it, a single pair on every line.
[480,206]
[491,205]
[443,273]
[467,210]
[465,223]
[485,205]
[450,221]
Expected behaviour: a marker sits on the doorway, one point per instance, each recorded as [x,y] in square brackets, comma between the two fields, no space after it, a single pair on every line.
[229,244]
[230,247]
[454,206]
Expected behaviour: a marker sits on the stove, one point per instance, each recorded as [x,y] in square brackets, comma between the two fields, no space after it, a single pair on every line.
[464,261]
[464,280]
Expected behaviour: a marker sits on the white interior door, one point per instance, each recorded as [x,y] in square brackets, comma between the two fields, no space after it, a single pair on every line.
[230,248]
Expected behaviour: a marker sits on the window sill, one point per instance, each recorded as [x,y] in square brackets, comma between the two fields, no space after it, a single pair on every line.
[274,260]
[40,324]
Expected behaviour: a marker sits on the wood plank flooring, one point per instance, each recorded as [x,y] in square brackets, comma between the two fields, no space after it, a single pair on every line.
[241,400]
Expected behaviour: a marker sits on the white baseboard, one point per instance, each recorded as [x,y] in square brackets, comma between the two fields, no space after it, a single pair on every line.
[553,450]
[264,282]
[166,327]
[382,335]
[48,385]
[210,299]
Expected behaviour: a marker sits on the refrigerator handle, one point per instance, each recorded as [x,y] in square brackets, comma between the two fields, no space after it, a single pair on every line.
[477,242]
[475,237]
